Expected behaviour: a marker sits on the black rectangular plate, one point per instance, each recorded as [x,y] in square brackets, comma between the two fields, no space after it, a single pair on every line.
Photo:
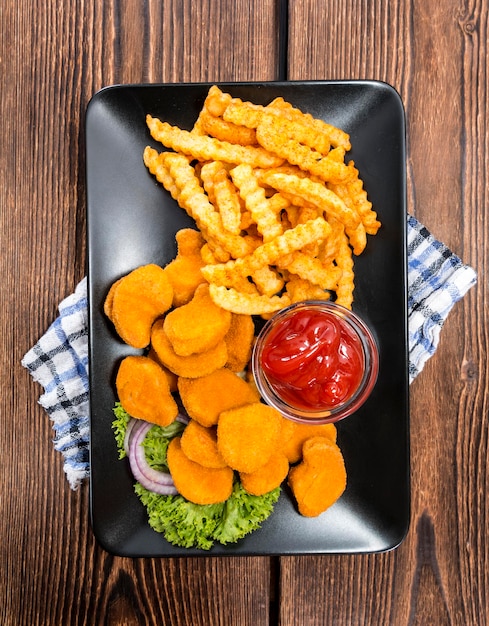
[132,220]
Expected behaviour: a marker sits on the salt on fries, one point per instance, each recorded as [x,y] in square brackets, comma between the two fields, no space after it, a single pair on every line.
[280,210]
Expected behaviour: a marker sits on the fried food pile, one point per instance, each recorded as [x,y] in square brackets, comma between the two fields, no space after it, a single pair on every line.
[279,216]
[280,210]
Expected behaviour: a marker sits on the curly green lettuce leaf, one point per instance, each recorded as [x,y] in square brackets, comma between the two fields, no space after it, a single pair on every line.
[181,522]
[244,513]
[156,443]
[119,426]
[189,525]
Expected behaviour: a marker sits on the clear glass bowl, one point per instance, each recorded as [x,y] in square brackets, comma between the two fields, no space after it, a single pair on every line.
[274,391]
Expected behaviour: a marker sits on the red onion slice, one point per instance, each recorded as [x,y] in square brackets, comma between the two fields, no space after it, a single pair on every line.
[151,479]
[127,436]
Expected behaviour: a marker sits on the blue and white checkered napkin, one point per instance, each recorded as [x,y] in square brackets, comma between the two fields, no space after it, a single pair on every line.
[59,362]
[437,279]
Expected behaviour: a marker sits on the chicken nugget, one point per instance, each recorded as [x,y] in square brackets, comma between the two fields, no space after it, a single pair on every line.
[144,392]
[172,377]
[196,483]
[206,397]
[300,433]
[239,341]
[109,300]
[320,479]
[200,445]
[137,301]
[197,326]
[267,477]
[247,436]
[191,366]
[184,271]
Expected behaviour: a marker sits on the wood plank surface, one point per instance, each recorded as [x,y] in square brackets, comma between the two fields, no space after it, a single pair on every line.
[53,57]
[435,55]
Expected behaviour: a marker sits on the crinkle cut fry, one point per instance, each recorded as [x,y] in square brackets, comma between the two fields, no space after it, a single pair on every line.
[353,194]
[272,136]
[311,269]
[155,162]
[210,120]
[247,304]
[269,253]
[250,115]
[316,194]
[344,260]
[227,201]
[253,194]
[193,199]
[207,148]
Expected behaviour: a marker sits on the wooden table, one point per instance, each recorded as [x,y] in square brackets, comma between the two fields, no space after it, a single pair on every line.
[53,57]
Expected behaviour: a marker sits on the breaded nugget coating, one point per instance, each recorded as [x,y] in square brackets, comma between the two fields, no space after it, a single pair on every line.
[184,271]
[200,445]
[206,397]
[198,484]
[197,326]
[191,366]
[247,436]
[139,299]
[172,377]
[320,479]
[239,341]
[267,477]
[109,299]
[144,392]
[300,433]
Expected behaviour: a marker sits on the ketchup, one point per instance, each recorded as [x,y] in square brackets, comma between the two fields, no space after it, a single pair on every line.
[313,360]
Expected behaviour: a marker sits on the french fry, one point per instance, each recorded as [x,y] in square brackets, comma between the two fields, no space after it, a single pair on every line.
[280,211]
[207,148]
[271,134]
[262,213]
[315,193]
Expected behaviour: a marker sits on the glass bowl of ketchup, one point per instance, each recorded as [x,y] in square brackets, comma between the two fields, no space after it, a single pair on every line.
[315,362]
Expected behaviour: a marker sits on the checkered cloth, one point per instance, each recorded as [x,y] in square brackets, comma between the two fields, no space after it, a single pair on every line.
[59,362]
[437,279]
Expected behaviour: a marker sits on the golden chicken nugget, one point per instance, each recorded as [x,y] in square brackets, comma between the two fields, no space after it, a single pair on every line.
[191,366]
[206,397]
[320,479]
[197,326]
[109,300]
[196,483]
[267,477]
[300,433]
[139,299]
[144,391]
[200,445]
[172,378]
[239,341]
[184,271]
[247,436]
